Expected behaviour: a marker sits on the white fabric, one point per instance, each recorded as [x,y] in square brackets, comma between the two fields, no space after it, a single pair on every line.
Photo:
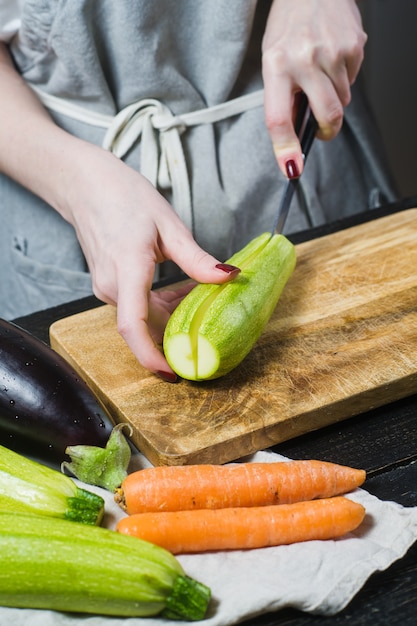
[319,577]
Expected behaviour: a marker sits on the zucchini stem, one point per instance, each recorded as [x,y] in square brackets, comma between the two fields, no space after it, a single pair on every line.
[27,486]
[188,600]
[103,467]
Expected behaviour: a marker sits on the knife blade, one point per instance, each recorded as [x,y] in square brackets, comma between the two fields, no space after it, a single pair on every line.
[306,127]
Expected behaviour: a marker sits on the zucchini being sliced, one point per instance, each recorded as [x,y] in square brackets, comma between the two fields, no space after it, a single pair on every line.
[216,326]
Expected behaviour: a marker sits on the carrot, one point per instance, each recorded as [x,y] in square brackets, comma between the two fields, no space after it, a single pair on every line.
[243,528]
[187,487]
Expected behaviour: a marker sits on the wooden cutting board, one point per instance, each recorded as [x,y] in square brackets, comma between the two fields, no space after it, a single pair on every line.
[342,340]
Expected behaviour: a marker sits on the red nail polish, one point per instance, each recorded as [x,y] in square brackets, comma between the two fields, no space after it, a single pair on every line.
[168,377]
[229,269]
[292,169]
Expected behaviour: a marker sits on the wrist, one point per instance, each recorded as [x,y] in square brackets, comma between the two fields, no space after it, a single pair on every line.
[74,167]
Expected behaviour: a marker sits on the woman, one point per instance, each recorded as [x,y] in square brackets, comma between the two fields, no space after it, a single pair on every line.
[199,97]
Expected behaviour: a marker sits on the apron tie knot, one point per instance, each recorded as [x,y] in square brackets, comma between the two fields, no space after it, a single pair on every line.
[162,157]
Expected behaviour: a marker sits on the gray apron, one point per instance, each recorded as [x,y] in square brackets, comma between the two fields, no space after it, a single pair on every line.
[175,90]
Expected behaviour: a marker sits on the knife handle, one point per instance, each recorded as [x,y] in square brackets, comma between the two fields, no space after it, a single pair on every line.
[305,125]
[309,134]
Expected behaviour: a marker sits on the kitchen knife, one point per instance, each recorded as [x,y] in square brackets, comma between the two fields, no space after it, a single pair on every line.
[306,127]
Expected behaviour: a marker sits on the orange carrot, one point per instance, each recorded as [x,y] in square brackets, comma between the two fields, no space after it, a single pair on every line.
[243,528]
[188,487]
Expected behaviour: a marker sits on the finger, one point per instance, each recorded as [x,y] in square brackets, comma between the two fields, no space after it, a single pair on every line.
[173,296]
[326,105]
[342,75]
[161,305]
[343,67]
[279,104]
[160,310]
[194,261]
[353,65]
[133,325]
[356,52]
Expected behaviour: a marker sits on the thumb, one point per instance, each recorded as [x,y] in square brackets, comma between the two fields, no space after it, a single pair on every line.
[199,265]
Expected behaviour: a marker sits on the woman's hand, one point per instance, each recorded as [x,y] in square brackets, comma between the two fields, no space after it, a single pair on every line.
[125,228]
[315,46]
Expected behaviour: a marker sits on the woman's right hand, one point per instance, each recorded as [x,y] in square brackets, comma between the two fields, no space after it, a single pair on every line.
[314,46]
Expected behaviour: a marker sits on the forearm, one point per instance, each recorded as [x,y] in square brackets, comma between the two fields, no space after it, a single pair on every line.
[34,151]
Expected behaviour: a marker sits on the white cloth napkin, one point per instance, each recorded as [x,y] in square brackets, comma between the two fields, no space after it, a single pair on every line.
[318,577]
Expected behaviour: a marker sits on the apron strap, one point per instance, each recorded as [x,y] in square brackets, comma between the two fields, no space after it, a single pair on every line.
[152,123]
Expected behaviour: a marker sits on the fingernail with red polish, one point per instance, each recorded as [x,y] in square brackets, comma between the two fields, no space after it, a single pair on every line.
[168,377]
[292,169]
[228,269]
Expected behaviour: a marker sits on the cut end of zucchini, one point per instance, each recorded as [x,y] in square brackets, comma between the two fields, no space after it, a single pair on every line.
[208,359]
[193,362]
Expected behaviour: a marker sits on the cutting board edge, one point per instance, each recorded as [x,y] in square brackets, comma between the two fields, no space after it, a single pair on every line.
[114,413]
[249,443]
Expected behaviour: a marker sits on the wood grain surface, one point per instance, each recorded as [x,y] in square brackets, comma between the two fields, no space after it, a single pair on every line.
[342,341]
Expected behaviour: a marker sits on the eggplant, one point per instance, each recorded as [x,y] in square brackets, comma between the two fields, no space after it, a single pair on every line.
[45,406]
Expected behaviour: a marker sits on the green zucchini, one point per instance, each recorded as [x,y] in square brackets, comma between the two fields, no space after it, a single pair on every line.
[59,565]
[215,326]
[27,486]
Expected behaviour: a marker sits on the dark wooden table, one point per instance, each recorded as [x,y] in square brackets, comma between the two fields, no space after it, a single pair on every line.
[382,441]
